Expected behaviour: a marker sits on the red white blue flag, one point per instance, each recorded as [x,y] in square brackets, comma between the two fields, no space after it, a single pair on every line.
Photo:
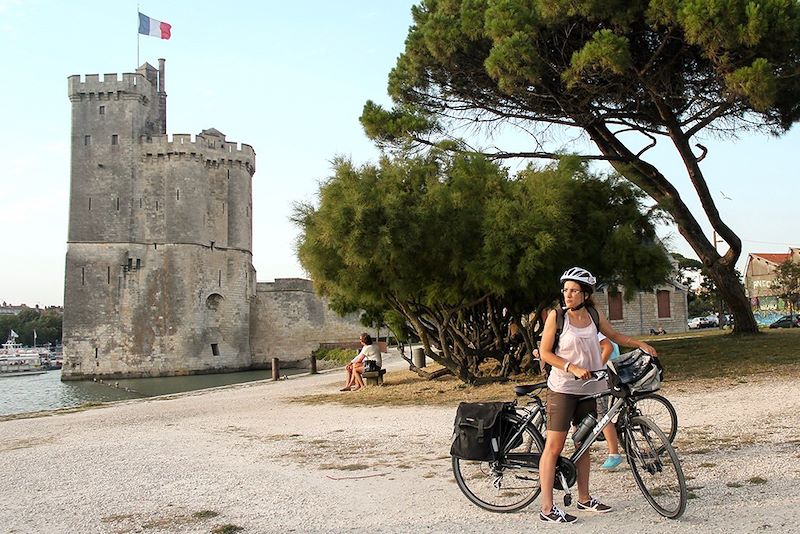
[153,27]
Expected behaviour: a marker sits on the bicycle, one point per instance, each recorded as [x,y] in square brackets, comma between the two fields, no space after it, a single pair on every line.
[652,405]
[510,482]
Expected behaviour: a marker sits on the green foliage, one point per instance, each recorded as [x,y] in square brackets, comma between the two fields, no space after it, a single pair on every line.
[443,243]
[556,59]
[604,52]
[627,73]
[46,323]
[787,283]
[340,356]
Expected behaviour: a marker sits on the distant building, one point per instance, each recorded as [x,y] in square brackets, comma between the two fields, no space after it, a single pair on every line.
[666,307]
[12,310]
[759,276]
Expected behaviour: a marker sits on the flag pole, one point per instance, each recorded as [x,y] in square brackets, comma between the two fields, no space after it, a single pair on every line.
[137,38]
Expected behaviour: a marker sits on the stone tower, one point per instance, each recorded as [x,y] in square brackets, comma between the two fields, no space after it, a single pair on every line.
[159,277]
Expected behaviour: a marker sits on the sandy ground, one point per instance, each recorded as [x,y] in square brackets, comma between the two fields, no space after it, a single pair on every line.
[254,458]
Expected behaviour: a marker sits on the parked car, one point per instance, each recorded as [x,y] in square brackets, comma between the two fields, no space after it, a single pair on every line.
[787,321]
[697,322]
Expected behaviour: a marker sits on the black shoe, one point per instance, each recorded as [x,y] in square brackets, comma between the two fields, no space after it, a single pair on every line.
[593,505]
[557,515]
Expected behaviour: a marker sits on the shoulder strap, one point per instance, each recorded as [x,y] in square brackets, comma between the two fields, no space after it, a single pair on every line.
[559,326]
[595,316]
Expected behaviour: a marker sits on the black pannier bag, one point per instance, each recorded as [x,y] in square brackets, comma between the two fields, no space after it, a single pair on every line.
[477,429]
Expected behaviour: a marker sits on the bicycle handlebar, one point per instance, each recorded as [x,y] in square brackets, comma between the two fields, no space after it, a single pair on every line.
[597,376]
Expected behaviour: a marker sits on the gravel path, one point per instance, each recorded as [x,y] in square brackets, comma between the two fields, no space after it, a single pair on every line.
[249,456]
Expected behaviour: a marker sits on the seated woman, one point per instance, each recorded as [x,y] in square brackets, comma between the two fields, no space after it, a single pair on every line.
[354,369]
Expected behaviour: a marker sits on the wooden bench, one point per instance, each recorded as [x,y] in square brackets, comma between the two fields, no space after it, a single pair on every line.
[374,378]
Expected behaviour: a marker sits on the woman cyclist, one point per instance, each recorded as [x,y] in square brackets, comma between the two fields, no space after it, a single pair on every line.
[576,356]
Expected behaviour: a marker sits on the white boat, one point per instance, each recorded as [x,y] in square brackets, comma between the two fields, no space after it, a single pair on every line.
[16,360]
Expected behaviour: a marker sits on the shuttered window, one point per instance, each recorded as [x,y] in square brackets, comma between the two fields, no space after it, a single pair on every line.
[662,299]
[614,306]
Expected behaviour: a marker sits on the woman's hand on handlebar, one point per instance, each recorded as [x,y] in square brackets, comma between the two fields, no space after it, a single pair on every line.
[648,349]
[600,374]
[579,372]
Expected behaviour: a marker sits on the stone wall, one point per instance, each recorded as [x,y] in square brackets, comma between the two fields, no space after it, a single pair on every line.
[172,310]
[290,321]
[640,314]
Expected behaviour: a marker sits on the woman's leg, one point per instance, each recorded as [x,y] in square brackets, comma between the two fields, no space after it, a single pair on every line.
[610,432]
[547,466]
[349,382]
[357,379]
[582,465]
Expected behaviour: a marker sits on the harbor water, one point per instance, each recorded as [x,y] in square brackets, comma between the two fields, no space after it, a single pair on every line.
[46,391]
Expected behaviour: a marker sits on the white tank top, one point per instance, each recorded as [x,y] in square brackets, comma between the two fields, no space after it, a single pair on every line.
[579,346]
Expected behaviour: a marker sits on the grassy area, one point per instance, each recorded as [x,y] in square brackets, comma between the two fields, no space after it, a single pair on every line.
[339,356]
[715,353]
[705,355]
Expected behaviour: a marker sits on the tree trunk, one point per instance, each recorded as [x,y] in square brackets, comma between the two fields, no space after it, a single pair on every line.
[733,293]
[655,184]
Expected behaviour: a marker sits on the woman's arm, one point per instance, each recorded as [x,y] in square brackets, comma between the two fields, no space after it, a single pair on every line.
[622,339]
[606,348]
[360,356]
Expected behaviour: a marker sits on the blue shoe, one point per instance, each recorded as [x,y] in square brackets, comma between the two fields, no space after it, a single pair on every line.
[612,461]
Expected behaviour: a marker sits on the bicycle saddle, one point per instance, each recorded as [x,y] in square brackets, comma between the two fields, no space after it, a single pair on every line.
[530,388]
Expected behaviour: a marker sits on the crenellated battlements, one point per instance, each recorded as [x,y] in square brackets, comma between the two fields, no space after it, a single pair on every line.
[213,148]
[91,84]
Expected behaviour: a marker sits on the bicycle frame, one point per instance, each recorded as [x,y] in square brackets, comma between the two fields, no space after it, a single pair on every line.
[531,460]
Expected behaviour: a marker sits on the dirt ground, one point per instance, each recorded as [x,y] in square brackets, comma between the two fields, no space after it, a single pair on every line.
[250,456]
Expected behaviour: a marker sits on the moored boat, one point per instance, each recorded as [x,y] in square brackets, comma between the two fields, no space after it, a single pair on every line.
[16,360]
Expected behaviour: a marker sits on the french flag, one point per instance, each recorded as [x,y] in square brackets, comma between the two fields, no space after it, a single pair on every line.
[156,28]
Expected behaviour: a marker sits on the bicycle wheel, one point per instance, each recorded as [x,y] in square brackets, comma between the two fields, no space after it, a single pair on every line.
[655,467]
[661,411]
[497,487]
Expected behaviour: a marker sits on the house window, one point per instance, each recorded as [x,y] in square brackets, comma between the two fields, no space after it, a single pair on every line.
[114,139]
[662,299]
[214,349]
[614,306]
[102,110]
[87,140]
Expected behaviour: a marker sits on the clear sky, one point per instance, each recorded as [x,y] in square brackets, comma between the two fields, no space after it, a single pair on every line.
[288,78]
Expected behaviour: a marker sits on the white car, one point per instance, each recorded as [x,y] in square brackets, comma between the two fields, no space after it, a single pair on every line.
[696,322]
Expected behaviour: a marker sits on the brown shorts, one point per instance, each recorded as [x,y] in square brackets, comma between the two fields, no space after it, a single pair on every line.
[563,409]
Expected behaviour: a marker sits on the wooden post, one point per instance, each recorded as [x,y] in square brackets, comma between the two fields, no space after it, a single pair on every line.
[313,363]
[276,371]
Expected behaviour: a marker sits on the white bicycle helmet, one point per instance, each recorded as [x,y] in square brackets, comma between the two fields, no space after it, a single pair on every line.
[577,274]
